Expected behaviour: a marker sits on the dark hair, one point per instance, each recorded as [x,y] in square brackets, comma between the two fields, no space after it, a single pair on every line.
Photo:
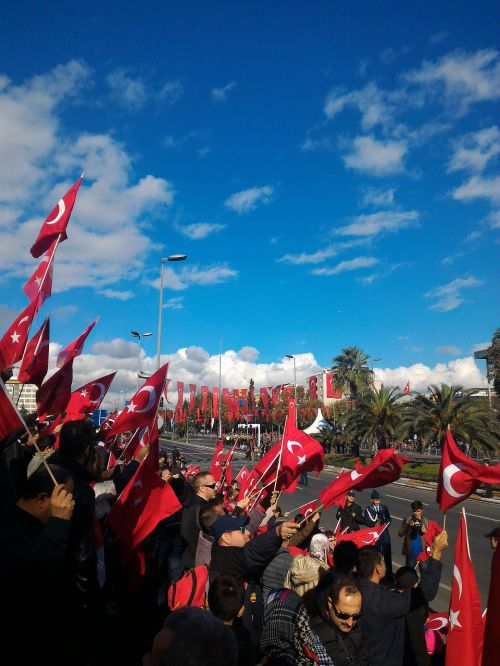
[406,577]
[298,518]
[215,643]
[226,596]
[199,478]
[208,515]
[41,482]
[343,582]
[75,437]
[45,442]
[368,558]
[416,505]
[345,556]
[178,485]
[279,511]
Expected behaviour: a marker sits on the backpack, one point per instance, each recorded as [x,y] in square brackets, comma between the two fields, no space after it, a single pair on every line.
[190,590]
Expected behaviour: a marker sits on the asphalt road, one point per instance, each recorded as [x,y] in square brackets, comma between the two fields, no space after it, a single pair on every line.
[481,518]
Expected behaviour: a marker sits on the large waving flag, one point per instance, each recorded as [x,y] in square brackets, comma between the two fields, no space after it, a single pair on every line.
[216,466]
[365,537]
[465,634]
[385,468]
[54,394]
[74,348]
[143,406]
[36,357]
[39,286]
[88,397]
[14,340]
[459,476]
[10,419]
[300,452]
[54,227]
[491,648]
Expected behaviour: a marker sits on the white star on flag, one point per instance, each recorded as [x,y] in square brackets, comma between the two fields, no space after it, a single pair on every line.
[83,393]
[38,281]
[301,459]
[15,337]
[131,407]
[454,619]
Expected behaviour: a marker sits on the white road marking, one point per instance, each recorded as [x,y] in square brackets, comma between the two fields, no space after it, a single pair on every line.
[493,520]
[405,499]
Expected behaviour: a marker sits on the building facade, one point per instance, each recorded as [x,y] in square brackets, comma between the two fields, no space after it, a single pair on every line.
[22,395]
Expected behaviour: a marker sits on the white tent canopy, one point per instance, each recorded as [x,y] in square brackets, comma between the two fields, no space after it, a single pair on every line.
[319,424]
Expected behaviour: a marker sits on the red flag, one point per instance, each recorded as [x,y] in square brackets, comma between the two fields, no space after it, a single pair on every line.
[143,406]
[216,466]
[313,387]
[491,648]
[264,398]
[139,439]
[236,404]
[55,225]
[165,391]
[146,500]
[465,634]
[204,396]
[35,362]
[74,348]
[242,474]
[192,470]
[88,397]
[227,402]
[192,397]
[109,420]
[275,393]
[39,286]
[228,472]
[331,390]
[406,388]
[433,529]
[385,468]
[308,509]
[459,476]
[10,419]
[14,340]
[180,396]
[301,453]
[215,402]
[244,393]
[365,537]
[438,622]
[54,394]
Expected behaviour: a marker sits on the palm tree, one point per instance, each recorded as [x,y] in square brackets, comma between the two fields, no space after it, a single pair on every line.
[351,371]
[469,419]
[378,418]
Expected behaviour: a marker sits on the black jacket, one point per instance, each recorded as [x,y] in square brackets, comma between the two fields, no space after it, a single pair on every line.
[348,520]
[190,529]
[383,623]
[372,517]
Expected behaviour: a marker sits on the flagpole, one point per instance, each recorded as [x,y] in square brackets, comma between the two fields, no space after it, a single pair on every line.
[220,385]
[281,453]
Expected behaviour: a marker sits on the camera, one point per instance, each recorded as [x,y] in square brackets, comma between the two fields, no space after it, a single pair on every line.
[416,523]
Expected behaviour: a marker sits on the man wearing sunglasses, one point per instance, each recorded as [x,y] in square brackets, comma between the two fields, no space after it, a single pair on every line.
[336,609]
[204,490]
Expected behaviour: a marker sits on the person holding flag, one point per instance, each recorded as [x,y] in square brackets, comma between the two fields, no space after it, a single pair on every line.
[351,514]
[413,530]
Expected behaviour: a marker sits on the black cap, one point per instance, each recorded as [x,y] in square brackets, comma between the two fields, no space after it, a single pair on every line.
[375,494]
[495,532]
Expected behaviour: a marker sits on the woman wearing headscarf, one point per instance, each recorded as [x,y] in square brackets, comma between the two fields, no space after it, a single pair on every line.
[319,548]
[287,638]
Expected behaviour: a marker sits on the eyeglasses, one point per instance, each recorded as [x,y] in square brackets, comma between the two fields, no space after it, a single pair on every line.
[210,485]
[346,616]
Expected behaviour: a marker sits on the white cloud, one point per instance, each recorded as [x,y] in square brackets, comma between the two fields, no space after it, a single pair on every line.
[310,145]
[247,200]
[188,276]
[127,90]
[461,371]
[64,312]
[378,198]
[448,297]
[462,78]
[171,92]
[493,220]
[376,223]
[220,94]
[320,255]
[448,349]
[120,295]
[473,151]
[370,101]
[199,230]
[379,158]
[175,303]
[349,265]
[479,187]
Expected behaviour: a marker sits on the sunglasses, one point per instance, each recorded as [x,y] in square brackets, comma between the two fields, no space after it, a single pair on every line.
[210,485]
[243,529]
[346,616]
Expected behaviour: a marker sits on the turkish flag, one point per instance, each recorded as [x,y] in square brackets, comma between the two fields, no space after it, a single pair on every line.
[204,397]
[459,476]
[301,453]
[228,472]
[192,470]
[74,348]
[35,362]
[165,391]
[406,388]
[54,394]
[227,402]
[242,475]
[143,406]
[146,500]
[313,387]
[385,468]
[491,648]
[10,419]
[433,529]
[264,398]
[331,391]
[139,439]
[266,467]
[465,634]
[275,394]
[39,286]
[14,340]
[56,222]
[215,402]
[365,537]
[437,622]
[192,397]
[88,397]
[216,466]
[308,509]
[109,420]
[180,397]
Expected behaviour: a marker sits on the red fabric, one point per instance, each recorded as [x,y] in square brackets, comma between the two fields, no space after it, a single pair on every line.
[139,439]
[491,648]
[313,387]
[459,476]
[14,340]
[236,404]
[56,222]
[180,397]
[293,550]
[244,393]
[385,468]
[331,391]
[228,476]
[275,395]
[365,537]
[143,406]
[192,397]
[88,397]
[437,622]
[36,357]
[165,391]
[74,348]
[215,402]
[204,397]
[190,590]
[242,474]
[146,500]
[465,633]
[108,421]
[406,388]
[308,509]
[10,419]
[216,466]
[226,398]
[54,394]
[264,398]
[433,529]
[39,286]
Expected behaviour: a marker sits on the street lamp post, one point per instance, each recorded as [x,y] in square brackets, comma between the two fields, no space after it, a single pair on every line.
[374,360]
[138,335]
[171,257]
[294,383]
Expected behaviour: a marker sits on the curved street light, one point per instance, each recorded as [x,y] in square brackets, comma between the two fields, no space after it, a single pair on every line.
[171,257]
[138,335]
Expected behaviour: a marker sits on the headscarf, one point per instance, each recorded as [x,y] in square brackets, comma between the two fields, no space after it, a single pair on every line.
[304,574]
[287,634]
[319,547]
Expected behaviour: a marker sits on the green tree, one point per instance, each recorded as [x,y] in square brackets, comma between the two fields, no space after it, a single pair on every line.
[378,417]
[351,371]
[470,419]
[493,362]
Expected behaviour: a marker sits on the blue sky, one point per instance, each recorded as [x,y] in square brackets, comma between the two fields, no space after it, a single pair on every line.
[330,170]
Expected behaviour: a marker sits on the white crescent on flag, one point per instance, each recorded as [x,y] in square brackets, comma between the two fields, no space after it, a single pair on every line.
[21,321]
[291,443]
[151,399]
[448,473]
[388,467]
[101,389]
[60,212]
[437,623]
[355,475]
[458,577]
[373,539]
